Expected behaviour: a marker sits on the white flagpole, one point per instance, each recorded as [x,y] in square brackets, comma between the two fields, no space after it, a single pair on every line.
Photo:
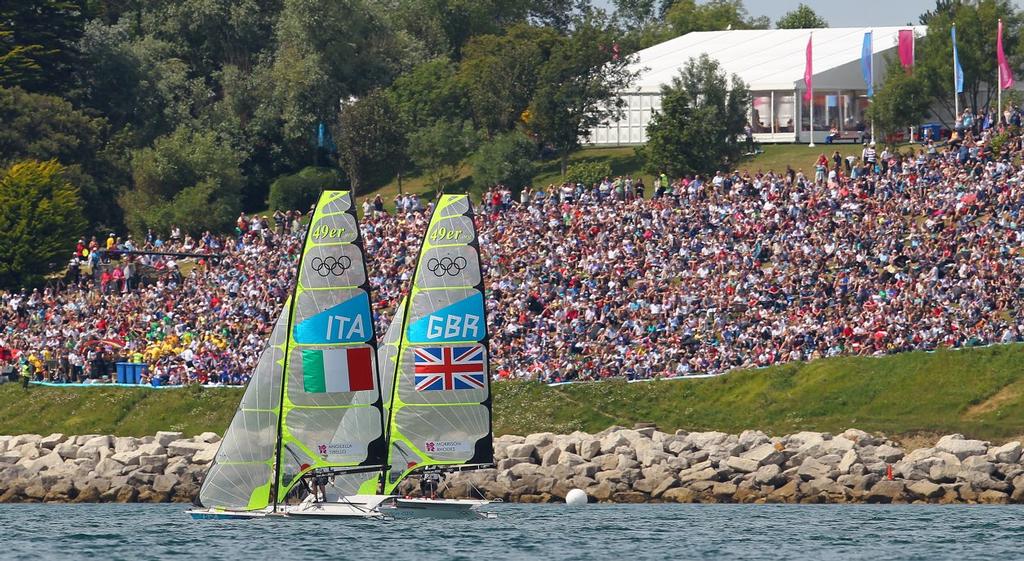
[872,100]
[999,97]
[956,95]
[811,102]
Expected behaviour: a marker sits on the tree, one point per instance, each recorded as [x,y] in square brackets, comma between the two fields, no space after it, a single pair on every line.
[188,178]
[976,39]
[427,93]
[498,74]
[803,17]
[701,119]
[439,150]
[44,127]
[327,50]
[578,87]
[40,217]
[636,13]
[370,136]
[685,16]
[37,43]
[505,160]
[900,102]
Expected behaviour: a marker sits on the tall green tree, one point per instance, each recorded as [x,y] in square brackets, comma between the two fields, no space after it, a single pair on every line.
[440,150]
[578,87]
[506,160]
[46,127]
[370,137]
[37,43]
[803,17]
[685,16]
[498,74]
[40,217]
[428,93]
[900,102]
[702,116]
[327,51]
[188,178]
[976,39]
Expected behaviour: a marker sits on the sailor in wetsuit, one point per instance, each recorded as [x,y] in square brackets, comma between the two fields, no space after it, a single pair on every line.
[429,484]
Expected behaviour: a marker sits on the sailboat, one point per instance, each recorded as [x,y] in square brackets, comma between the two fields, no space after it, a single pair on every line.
[434,364]
[313,406]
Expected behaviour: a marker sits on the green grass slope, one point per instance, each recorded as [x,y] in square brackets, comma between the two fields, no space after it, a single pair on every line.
[978,392]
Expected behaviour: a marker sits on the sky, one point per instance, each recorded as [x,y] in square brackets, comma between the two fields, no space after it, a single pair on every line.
[844,13]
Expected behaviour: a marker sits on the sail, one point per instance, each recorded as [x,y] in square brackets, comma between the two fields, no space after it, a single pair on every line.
[240,475]
[440,407]
[331,406]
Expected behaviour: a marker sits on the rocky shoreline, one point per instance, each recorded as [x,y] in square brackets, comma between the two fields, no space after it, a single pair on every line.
[616,465]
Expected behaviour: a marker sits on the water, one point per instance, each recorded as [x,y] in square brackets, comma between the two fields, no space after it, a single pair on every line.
[594,532]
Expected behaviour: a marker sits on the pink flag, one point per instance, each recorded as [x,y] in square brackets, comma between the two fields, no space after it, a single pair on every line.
[808,72]
[906,47]
[1005,74]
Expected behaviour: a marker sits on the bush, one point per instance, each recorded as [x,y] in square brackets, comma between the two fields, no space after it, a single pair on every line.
[40,217]
[188,178]
[588,173]
[506,160]
[300,190]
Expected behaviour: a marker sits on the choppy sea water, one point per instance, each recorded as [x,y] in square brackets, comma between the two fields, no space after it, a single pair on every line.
[594,532]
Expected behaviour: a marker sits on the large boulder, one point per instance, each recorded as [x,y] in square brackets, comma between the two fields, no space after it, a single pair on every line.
[742,465]
[588,448]
[207,437]
[770,474]
[960,447]
[813,469]
[206,454]
[1008,453]
[765,454]
[184,449]
[523,451]
[886,491]
[165,438]
[50,442]
[925,489]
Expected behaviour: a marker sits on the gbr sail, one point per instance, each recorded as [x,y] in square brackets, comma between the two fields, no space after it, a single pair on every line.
[331,407]
[439,411]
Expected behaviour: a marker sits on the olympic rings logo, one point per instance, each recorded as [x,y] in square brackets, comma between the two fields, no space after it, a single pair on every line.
[446,266]
[330,265]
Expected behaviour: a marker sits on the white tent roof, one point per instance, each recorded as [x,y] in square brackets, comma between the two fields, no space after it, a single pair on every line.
[770,59]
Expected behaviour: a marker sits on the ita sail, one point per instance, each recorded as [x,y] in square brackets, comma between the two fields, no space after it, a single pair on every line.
[332,417]
[439,410]
[314,401]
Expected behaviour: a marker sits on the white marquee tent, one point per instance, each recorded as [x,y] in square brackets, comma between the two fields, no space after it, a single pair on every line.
[771,63]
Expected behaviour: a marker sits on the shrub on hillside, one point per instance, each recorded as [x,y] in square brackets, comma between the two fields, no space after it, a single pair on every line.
[588,173]
[40,217]
[506,160]
[300,190]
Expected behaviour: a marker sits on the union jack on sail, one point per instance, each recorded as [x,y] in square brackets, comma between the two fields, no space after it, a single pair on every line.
[450,368]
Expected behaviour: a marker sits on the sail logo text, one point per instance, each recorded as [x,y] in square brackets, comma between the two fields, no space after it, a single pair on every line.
[449,446]
[347,328]
[325,231]
[464,328]
[444,234]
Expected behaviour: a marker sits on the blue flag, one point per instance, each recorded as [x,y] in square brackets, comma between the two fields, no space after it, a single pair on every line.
[958,72]
[865,63]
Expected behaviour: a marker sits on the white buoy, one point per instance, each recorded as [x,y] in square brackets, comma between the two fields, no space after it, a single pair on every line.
[576,497]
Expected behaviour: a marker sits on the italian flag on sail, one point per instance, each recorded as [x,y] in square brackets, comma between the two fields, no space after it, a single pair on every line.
[337,370]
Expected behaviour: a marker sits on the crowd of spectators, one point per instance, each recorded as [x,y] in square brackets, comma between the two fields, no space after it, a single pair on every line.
[892,251]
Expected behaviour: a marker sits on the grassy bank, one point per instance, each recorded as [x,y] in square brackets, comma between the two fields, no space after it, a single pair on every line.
[977,392]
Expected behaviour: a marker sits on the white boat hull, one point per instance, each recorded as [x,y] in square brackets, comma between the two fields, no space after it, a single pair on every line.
[352,506]
[437,508]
